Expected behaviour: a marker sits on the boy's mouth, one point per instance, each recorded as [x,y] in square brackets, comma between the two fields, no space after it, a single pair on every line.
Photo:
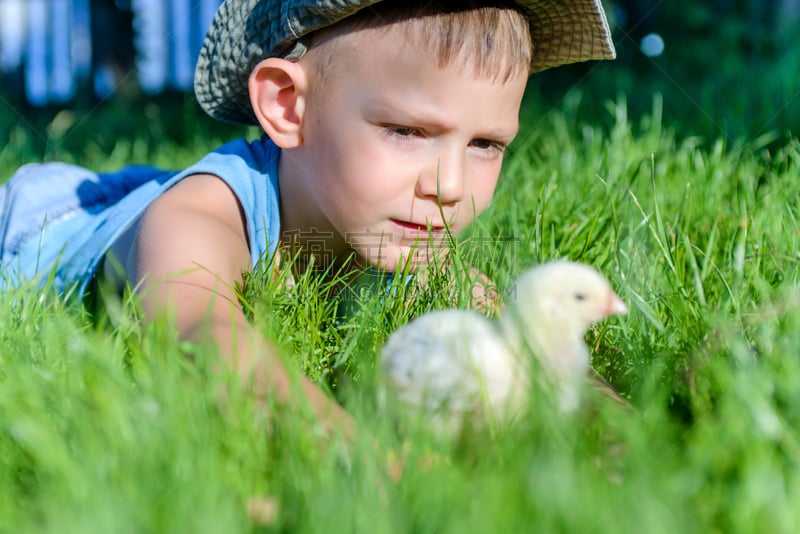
[412,227]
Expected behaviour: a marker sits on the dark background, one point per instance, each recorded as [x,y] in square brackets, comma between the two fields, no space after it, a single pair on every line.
[729,69]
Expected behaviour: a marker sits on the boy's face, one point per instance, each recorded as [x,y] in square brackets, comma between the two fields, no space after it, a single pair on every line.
[395,148]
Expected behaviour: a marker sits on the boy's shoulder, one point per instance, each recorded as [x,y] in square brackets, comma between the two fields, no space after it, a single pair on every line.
[249,167]
[260,151]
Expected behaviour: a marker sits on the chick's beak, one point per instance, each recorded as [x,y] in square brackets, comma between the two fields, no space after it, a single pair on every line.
[615,306]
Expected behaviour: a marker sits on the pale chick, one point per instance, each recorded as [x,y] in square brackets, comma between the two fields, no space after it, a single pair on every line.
[455,364]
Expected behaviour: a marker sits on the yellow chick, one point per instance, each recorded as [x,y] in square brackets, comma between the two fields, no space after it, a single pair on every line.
[457,364]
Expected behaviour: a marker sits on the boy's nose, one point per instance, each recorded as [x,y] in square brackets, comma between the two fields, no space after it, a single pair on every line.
[445,181]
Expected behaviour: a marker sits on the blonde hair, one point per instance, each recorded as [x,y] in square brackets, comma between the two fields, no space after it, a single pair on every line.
[493,38]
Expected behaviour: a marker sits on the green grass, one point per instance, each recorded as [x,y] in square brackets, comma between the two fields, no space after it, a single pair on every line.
[106,425]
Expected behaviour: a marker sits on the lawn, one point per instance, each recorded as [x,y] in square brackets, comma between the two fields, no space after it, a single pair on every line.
[107,426]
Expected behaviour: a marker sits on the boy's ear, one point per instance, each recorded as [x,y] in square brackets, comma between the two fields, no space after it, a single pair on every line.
[278,96]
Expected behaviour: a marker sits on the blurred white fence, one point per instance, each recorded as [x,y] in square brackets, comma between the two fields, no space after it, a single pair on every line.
[50,43]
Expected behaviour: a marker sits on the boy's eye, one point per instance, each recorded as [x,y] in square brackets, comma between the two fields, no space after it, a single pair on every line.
[402,131]
[488,144]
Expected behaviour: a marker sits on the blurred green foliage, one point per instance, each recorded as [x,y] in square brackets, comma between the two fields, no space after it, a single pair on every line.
[124,130]
[729,70]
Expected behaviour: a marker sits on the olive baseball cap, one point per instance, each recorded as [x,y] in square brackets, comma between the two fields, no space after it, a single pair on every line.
[244,32]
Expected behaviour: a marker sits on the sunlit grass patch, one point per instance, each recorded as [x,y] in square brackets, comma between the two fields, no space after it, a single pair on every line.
[108,423]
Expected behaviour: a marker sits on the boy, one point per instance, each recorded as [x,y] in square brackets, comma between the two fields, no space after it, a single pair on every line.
[385,127]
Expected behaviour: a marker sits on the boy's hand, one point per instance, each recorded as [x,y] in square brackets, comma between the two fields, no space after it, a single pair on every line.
[484,296]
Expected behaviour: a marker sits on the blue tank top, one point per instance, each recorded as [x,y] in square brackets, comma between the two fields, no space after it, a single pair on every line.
[58,220]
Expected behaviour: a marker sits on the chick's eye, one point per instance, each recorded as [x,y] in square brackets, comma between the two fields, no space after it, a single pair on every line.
[580,297]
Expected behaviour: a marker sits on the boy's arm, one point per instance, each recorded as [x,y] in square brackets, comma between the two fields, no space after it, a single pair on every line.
[191,250]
